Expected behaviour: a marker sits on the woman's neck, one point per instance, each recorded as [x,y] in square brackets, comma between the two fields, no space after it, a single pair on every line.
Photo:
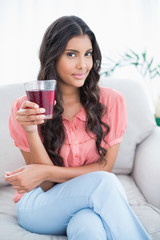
[70,102]
[70,94]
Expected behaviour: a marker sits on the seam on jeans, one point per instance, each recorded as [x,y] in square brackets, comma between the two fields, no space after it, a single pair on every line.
[97,211]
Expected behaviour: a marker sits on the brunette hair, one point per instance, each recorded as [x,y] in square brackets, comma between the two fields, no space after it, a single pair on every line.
[53,45]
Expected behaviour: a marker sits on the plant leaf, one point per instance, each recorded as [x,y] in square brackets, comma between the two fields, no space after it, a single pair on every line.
[127,55]
[136,64]
[144,56]
[134,54]
[149,65]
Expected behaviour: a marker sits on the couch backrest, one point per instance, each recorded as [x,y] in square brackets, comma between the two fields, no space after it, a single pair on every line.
[141,121]
[140,124]
[10,156]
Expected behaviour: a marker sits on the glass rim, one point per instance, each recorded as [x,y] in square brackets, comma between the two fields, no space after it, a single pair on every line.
[35,81]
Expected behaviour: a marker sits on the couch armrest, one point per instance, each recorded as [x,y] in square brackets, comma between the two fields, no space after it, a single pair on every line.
[146,172]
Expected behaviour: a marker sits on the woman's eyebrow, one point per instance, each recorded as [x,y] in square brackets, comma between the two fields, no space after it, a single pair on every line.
[73,50]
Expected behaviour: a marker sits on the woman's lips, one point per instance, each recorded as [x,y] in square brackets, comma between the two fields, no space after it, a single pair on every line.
[79,75]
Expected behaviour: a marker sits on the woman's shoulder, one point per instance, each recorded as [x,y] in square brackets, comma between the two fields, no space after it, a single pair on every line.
[116,115]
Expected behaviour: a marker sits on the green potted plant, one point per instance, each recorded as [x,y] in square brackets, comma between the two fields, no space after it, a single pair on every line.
[157,111]
[147,68]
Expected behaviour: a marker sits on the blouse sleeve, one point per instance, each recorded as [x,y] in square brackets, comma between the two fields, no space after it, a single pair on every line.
[16,130]
[116,118]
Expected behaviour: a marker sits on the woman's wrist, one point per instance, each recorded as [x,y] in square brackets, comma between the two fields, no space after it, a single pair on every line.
[38,153]
[33,138]
[32,134]
[54,174]
[48,172]
[58,174]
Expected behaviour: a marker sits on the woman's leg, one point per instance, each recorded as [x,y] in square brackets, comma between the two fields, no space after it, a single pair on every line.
[50,212]
[86,224]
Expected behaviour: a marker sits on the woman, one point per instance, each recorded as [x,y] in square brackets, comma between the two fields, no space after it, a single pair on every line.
[67,186]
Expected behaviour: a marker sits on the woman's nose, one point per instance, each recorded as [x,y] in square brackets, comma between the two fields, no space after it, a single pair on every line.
[81,63]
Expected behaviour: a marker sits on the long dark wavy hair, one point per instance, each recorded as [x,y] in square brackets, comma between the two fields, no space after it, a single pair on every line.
[53,45]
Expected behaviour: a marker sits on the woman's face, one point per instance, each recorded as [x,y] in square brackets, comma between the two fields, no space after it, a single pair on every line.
[74,65]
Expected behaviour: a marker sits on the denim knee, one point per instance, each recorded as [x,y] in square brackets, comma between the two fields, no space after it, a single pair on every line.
[86,224]
[109,181]
[103,176]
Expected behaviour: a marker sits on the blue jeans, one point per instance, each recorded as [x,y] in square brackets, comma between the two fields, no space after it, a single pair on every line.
[88,207]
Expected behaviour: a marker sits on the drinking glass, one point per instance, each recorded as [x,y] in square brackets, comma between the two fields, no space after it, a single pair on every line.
[42,92]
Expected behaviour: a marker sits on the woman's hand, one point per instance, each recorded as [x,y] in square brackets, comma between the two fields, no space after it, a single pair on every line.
[26,178]
[30,115]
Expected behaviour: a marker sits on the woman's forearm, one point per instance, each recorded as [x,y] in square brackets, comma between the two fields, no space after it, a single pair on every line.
[63,174]
[57,174]
[54,173]
[37,150]
[39,156]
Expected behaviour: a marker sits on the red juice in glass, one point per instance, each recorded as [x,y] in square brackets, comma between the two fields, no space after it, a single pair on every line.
[42,92]
[45,99]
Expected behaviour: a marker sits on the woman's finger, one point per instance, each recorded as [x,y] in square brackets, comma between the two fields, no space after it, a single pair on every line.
[30,118]
[30,111]
[18,188]
[15,171]
[29,104]
[21,191]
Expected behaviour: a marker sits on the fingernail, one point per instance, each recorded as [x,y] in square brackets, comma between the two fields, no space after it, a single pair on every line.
[42,110]
[36,106]
[42,116]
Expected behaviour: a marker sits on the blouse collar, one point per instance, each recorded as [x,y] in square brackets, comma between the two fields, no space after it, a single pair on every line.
[81,115]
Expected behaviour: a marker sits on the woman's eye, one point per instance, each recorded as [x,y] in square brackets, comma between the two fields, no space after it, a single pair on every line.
[88,54]
[70,54]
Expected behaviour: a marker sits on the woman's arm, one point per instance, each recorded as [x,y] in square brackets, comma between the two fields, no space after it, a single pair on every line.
[29,116]
[27,178]
[63,174]
[41,168]
[37,155]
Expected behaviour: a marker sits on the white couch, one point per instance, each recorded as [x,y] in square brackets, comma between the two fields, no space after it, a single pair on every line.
[137,166]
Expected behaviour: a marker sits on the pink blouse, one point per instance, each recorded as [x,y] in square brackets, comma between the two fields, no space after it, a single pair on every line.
[79,147]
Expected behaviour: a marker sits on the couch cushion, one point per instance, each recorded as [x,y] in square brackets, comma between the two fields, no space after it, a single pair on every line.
[146,172]
[141,120]
[10,230]
[147,213]
[10,156]
[150,218]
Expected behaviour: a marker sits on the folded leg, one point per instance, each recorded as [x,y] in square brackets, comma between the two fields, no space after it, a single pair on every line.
[86,224]
[50,212]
